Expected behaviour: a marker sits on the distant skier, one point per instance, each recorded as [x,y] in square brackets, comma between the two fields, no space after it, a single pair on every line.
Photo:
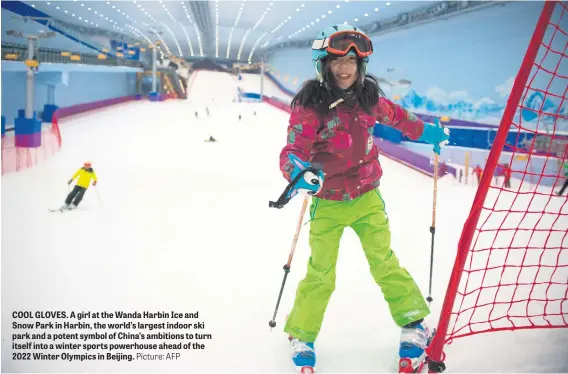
[211,139]
[85,175]
[507,172]
[207,110]
[240,117]
[196,114]
[565,186]
[478,171]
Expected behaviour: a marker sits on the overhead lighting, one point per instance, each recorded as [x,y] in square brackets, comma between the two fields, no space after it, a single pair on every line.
[329,12]
[338,6]
[366,14]
[376,9]
[388,4]
[356,19]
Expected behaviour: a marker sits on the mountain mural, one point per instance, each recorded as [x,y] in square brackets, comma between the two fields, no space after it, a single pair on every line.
[550,113]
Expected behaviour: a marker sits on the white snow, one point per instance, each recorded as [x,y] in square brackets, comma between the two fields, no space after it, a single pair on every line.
[180,224]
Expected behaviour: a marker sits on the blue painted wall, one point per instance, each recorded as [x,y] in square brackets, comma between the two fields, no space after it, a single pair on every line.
[82,87]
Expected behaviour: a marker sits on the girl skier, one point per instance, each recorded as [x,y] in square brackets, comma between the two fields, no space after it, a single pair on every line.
[85,174]
[331,131]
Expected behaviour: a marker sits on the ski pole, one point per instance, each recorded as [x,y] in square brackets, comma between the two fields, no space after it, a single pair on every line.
[272,323]
[433,227]
[98,197]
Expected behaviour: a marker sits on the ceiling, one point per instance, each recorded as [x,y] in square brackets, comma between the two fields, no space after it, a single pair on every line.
[12,21]
[225,29]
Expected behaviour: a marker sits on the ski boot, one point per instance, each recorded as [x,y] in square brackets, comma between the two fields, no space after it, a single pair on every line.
[414,340]
[303,355]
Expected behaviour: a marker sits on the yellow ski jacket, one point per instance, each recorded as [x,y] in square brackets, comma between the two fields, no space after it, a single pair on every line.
[85,175]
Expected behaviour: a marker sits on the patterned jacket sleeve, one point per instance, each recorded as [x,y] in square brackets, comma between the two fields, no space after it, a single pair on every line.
[393,115]
[302,131]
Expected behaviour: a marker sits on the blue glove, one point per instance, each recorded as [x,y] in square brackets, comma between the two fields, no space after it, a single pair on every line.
[436,134]
[311,181]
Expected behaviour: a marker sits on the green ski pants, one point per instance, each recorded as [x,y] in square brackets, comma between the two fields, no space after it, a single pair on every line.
[366,216]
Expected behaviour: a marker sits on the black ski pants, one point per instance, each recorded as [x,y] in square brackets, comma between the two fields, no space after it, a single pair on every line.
[561,192]
[76,195]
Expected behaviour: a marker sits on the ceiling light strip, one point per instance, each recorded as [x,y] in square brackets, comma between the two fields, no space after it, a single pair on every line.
[233,28]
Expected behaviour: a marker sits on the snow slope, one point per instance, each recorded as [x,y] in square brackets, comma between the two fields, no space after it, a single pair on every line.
[180,224]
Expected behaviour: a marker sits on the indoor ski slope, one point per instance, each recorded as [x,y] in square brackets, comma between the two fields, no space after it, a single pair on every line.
[177,223]
[251,83]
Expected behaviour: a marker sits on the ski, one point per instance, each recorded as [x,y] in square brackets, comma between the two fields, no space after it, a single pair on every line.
[405,366]
[61,210]
[305,370]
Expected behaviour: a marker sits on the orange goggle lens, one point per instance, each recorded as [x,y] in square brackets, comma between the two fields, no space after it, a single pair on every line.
[341,42]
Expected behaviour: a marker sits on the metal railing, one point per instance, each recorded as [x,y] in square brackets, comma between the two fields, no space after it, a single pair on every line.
[18,52]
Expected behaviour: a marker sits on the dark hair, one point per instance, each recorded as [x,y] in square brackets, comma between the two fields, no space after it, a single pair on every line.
[312,94]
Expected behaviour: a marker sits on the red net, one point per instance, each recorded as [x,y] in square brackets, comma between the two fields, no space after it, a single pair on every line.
[20,158]
[511,271]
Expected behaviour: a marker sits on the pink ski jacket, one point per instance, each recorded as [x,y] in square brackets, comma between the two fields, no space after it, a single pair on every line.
[341,145]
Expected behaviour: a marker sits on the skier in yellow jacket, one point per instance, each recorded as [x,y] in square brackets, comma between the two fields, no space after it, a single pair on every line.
[85,174]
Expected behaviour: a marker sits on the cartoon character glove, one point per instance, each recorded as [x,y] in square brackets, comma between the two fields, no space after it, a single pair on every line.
[435,134]
[311,180]
[304,177]
[94,183]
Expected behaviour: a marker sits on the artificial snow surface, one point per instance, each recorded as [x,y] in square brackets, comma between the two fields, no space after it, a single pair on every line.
[177,223]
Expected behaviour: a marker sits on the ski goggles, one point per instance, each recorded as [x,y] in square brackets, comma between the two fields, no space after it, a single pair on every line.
[341,42]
